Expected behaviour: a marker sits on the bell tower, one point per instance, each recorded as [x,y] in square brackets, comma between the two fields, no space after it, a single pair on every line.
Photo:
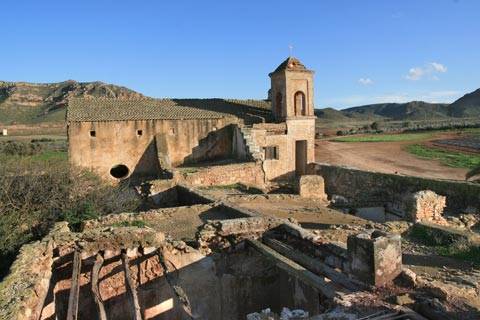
[291,90]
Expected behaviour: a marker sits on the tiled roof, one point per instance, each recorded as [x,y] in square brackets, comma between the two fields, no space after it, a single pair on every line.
[290,63]
[105,109]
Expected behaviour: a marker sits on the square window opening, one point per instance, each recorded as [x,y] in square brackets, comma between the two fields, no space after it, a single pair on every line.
[271,153]
[93,133]
[139,132]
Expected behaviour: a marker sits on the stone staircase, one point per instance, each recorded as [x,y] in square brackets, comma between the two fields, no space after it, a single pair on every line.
[254,151]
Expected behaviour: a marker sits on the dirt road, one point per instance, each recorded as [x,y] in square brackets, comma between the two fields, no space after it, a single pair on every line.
[387,157]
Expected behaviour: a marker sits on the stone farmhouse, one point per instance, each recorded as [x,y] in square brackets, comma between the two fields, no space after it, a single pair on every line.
[150,137]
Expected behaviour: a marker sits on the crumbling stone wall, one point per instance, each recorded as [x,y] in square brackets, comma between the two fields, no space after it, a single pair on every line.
[369,189]
[27,282]
[312,186]
[426,205]
[166,276]
[249,173]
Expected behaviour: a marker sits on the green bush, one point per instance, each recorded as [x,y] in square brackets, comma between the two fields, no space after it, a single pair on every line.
[75,216]
[375,126]
[17,148]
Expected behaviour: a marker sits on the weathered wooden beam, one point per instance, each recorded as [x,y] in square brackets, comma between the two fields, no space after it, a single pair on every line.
[296,270]
[96,291]
[131,288]
[72,310]
[313,264]
[179,292]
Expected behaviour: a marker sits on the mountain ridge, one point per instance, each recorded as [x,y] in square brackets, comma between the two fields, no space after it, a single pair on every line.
[24,102]
[466,107]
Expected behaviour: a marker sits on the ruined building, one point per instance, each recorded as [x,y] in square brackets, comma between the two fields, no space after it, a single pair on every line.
[214,239]
[143,137]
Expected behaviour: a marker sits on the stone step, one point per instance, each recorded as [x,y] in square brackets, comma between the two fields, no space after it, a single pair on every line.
[255,152]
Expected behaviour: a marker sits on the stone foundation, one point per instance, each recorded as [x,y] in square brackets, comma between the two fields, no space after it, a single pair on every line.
[313,187]
[376,257]
[249,173]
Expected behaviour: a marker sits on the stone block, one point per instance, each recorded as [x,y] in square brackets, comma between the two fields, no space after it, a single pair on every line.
[312,186]
[375,257]
[426,205]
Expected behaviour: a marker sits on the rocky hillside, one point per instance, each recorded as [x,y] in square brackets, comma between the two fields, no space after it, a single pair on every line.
[466,107]
[22,102]
[415,110]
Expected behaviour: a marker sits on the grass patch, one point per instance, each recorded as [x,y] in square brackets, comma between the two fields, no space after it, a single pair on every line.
[133,223]
[46,157]
[472,131]
[51,156]
[445,245]
[449,158]
[188,170]
[385,137]
[464,252]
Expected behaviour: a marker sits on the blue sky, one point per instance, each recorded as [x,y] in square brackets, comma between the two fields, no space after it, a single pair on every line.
[363,51]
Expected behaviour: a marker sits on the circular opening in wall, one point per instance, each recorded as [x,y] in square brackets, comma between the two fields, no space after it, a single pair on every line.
[119,171]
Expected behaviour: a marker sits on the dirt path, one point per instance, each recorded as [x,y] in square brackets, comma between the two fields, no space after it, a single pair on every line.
[387,157]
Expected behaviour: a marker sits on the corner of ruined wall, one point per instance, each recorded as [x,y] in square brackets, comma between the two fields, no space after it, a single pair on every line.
[25,288]
[426,205]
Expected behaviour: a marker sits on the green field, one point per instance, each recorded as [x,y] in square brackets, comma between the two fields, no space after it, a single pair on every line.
[385,137]
[449,158]
[39,149]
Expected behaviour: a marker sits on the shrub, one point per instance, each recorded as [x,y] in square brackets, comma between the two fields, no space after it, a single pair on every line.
[375,126]
[36,194]
[18,148]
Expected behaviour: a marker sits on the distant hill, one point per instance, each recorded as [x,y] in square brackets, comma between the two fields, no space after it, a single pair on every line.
[415,110]
[330,114]
[466,107]
[22,102]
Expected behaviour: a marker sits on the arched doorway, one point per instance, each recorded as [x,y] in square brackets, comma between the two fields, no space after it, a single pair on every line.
[300,104]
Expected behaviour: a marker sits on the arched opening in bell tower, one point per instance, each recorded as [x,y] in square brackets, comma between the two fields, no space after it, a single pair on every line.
[300,104]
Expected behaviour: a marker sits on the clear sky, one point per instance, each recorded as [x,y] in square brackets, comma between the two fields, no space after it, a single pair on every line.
[363,51]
